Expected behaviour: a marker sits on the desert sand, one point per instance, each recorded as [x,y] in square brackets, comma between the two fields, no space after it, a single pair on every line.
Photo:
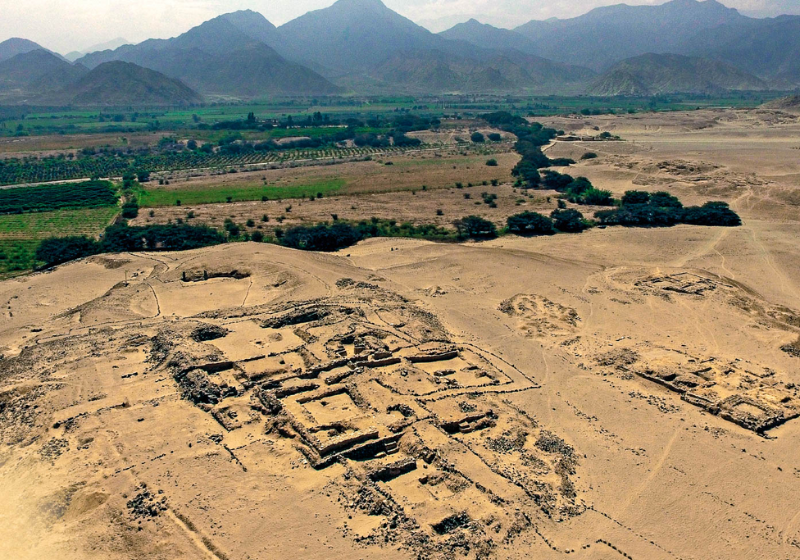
[617,394]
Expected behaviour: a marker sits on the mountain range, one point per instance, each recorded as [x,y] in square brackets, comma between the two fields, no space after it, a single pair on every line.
[363,46]
[33,72]
[121,84]
[108,45]
[39,77]
[607,35]
[653,74]
[16,46]
[226,56]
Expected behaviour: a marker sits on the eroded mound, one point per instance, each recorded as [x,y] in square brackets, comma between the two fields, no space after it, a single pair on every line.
[403,427]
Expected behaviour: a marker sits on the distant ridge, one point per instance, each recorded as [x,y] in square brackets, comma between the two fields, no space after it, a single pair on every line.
[363,41]
[108,45]
[224,56]
[652,74]
[607,35]
[15,46]
[362,46]
[34,72]
[124,84]
[489,37]
[357,35]
[767,48]
[435,71]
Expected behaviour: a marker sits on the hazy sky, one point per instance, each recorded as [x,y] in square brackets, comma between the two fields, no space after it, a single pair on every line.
[66,25]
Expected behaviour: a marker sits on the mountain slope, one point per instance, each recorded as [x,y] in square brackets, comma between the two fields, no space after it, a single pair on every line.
[607,35]
[256,70]
[124,84]
[363,41]
[107,46]
[488,37]
[255,26]
[207,57]
[765,47]
[789,104]
[433,71]
[14,46]
[652,74]
[37,71]
[354,36]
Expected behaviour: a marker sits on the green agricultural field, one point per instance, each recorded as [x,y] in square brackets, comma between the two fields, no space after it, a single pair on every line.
[19,171]
[89,221]
[44,198]
[154,197]
[20,233]
[16,256]
[32,121]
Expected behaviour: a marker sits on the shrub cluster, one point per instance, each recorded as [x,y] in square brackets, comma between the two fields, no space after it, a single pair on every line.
[399,126]
[661,209]
[130,209]
[120,238]
[530,223]
[569,220]
[475,227]
[577,191]
[530,139]
[58,250]
[338,235]
[390,228]
[322,237]
[175,237]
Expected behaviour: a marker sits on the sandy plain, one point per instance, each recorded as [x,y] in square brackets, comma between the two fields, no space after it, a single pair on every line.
[616,394]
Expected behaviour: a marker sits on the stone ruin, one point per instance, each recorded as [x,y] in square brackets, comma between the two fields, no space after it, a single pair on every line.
[755,401]
[381,389]
[686,283]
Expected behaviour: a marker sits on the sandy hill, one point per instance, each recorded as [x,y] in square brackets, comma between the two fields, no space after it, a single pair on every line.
[189,401]
[653,74]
